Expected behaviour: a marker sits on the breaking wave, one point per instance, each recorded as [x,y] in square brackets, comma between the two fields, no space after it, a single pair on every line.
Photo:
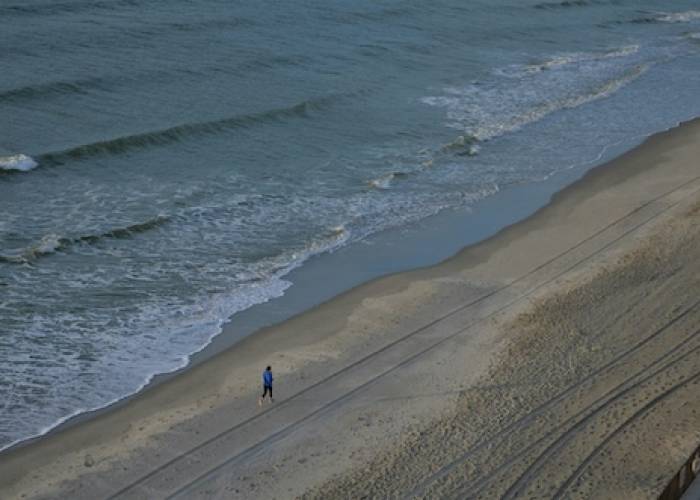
[666,17]
[568,3]
[579,57]
[385,181]
[20,162]
[464,145]
[462,104]
[538,112]
[52,243]
[180,133]
[679,17]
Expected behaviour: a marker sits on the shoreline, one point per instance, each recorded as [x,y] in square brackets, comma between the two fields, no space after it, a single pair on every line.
[299,337]
[308,290]
[388,247]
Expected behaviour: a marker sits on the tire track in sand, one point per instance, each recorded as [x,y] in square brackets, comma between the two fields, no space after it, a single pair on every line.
[529,418]
[189,457]
[251,451]
[599,406]
[644,409]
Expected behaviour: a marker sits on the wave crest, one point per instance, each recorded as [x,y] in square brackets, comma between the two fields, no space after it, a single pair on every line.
[466,106]
[579,57]
[540,111]
[666,17]
[679,17]
[180,133]
[385,181]
[54,88]
[19,162]
[52,243]
[566,4]
[463,145]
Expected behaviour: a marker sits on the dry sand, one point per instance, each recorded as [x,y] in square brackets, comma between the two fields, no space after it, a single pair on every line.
[559,358]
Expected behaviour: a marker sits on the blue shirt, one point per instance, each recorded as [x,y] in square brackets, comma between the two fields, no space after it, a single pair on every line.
[267,378]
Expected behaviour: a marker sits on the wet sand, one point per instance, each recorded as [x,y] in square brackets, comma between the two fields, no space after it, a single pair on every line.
[559,358]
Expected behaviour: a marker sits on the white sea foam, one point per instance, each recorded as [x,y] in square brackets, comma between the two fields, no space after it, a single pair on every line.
[339,230]
[336,237]
[19,162]
[189,328]
[580,57]
[48,244]
[679,17]
[464,144]
[212,316]
[486,113]
[473,150]
[566,59]
[480,194]
[383,182]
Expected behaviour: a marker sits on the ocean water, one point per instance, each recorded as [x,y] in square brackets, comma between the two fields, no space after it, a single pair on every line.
[165,164]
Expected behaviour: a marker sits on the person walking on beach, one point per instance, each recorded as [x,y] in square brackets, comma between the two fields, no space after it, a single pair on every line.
[267,385]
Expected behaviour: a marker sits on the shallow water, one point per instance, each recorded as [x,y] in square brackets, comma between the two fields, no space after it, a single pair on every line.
[180,158]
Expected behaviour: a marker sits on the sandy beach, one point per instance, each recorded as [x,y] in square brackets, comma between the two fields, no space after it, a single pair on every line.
[560,358]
